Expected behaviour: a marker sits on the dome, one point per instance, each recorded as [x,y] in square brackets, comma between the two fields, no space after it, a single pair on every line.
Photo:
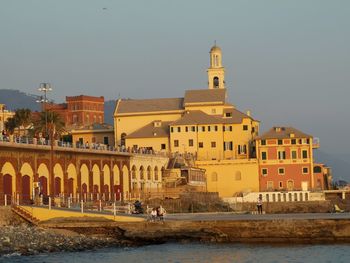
[215,48]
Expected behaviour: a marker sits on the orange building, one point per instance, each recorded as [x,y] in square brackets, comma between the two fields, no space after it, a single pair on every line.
[285,157]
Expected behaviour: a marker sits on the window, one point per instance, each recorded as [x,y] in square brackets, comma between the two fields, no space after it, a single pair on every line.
[294,141]
[281,155]
[203,128]
[264,171]
[242,149]
[176,143]
[216,128]
[281,171]
[280,185]
[200,144]
[228,114]
[307,141]
[230,128]
[263,142]
[317,169]
[186,129]
[190,142]
[228,146]
[208,128]
[193,128]
[213,144]
[305,170]
[245,127]
[280,142]
[270,185]
[163,146]
[213,111]
[172,129]
[304,154]
[214,177]
[105,140]
[178,129]
[294,155]
[263,155]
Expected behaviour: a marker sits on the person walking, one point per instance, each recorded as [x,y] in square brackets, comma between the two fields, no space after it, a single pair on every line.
[260,204]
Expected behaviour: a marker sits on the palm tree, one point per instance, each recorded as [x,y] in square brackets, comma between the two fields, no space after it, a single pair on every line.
[22,118]
[51,120]
[10,125]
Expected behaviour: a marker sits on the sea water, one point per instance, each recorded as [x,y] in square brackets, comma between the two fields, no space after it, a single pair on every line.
[195,252]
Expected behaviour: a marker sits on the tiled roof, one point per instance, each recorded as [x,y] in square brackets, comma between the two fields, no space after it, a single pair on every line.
[149,105]
[236,116]
[205,95]
[150,130]
[283,133]
[197,117]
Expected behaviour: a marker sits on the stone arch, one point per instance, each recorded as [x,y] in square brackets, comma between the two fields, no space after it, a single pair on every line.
[72,180]
[27,181]
[84,173]
[96,180]
[142,172]
[58,179]
[126,182]
[43,174]
[149,173]
[106,188]
[156,175]
[9,178]
[134,172]
[116,182]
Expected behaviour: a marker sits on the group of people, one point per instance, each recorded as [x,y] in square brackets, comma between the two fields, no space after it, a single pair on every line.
[157,214]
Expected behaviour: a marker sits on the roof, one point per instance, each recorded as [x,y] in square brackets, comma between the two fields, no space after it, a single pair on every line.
[236,117]
[197,117]
[149,105]
[96,127]
[151,131]
[283,133]
[215,48]
[205,95]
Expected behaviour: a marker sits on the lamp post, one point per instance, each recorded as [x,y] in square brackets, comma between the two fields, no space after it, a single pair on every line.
[44,87]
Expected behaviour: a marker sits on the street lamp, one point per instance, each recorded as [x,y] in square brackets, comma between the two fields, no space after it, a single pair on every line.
[44,87]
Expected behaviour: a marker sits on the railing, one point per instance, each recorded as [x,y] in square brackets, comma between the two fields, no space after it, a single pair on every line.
[18,140]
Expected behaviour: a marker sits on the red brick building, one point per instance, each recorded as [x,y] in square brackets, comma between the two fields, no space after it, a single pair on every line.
[285,157]
[80,111]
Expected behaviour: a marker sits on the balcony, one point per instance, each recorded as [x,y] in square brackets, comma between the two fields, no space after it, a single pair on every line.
[316,143]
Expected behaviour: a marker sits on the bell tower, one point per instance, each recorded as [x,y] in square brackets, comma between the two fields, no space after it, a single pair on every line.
[216,72]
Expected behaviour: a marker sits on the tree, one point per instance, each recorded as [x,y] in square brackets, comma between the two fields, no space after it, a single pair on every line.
[23,118]
[52,121]
[10,125]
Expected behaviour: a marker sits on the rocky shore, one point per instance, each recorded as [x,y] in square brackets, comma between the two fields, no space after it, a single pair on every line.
[28,240]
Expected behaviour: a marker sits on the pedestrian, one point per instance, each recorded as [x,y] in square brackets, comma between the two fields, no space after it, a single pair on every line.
[161,213]
[259,204]
[154,214]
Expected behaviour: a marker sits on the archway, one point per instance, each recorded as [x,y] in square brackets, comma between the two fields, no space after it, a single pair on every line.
[126,189]
[84,187]
[43,173]
[116,183]
[96,181]
[9,180]
[59,181]
[27,182]
[106,182]
[72,180]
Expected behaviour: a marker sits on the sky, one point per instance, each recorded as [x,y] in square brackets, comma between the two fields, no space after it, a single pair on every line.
[286,61]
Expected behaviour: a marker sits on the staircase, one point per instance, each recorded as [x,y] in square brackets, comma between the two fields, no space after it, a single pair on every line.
[25,214]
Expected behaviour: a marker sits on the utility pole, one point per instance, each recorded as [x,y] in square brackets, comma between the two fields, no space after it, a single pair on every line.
[44,87]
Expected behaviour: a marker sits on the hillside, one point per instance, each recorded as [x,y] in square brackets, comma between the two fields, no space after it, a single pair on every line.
[15,99]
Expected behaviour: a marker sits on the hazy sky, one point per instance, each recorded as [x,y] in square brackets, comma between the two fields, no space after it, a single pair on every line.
[287,61]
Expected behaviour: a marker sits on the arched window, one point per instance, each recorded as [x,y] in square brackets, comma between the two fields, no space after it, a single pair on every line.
[149,173]
[216,82]
[133,172]
[156,173]
[238,176]
[142,173]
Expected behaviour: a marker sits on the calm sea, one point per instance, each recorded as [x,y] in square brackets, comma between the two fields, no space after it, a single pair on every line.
[190,252]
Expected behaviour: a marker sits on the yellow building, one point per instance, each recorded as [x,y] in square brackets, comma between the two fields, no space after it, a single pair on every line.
[203,124]
[4,115]
[101,135]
